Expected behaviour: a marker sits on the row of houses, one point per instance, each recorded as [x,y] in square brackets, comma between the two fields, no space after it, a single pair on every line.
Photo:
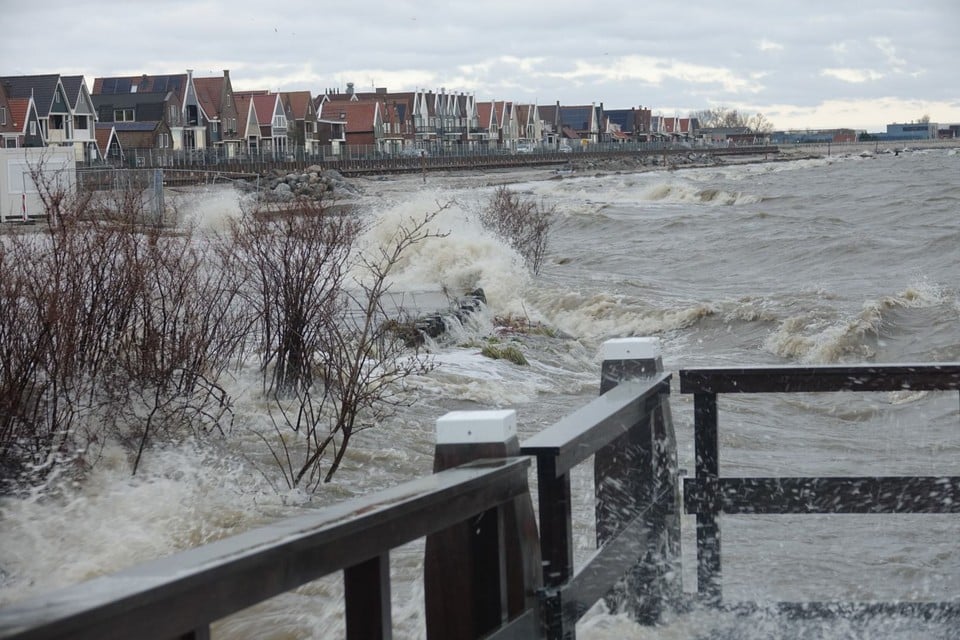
[182,112]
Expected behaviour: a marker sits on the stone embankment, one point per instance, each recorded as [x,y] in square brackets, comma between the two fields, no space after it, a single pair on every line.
[314,182]
[646,162]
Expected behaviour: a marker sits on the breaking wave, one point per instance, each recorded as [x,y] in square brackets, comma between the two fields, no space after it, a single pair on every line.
[813,339]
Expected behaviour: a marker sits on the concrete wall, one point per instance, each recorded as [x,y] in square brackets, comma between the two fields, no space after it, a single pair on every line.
[19,195]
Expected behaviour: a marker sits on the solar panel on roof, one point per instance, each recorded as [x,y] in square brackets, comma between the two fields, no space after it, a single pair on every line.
[123,85]
[160,84]
[109,85]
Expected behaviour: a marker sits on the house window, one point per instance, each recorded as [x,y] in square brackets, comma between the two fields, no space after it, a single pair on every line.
[123,115]
[3,115]
[56,122]
[213,126]
[33,128]
[162,141]
[80,122]
[173,114]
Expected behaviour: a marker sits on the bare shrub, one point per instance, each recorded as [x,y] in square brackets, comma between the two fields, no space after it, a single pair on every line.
[108,330]
[185,329]
[330,358]
[524,223]
[294,268]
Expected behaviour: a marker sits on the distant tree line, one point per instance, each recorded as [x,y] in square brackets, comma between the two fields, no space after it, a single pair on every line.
[725,117]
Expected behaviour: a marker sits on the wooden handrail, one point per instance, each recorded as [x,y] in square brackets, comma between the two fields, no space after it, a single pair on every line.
[576,437]
[180,595]
[864,377]
[708,494]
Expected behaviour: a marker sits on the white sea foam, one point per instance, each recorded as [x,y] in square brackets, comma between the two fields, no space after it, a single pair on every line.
[209,207]
[594,315]
[465,258]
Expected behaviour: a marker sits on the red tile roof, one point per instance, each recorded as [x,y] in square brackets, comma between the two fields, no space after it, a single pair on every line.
[103,134]
[209,91]
[242,100]
[18,114]
[484,109]
[359,116]
[265,105]
[298,102]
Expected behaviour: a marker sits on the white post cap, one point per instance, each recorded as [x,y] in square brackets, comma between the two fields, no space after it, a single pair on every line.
[465,427]
[631,349]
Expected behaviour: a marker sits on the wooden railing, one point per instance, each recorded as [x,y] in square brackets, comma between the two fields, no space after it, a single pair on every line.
[708,494]
[483,575]
[178,596]
[629,431]
[489,570]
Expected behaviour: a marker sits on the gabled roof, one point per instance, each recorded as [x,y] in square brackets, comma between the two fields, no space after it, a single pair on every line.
[42,88]
[106,134]
[523,113]
[73,85]
[298,103]
[209,91]
[485,113]
[19,114]
[548,113]
[265,106]
[242,101]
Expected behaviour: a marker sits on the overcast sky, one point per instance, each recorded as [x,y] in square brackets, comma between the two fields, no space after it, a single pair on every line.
[807,64]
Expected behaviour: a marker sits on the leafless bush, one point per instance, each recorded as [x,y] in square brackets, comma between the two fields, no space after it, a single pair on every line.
[185,329]
[329,357]
[524,223]
[295,264]
[106,325]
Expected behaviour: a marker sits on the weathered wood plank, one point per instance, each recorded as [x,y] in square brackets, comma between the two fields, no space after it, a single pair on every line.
[878,495]
[171,596]
[920,377]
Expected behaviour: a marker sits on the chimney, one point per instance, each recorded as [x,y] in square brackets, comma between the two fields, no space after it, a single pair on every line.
[349,88]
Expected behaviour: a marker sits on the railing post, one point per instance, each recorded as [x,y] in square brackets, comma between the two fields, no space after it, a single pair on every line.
[367,599]
[485,571]
[706,452]
[637,474]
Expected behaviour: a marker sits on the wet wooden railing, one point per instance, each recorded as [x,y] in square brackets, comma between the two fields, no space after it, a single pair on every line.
[489,570]
[709,495]
[483,572]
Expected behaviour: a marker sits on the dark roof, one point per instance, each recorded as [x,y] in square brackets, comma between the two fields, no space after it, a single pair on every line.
[41,88]
[622,117]
[130,99]
[71,84]
[577,118]
[147,106]
[548,113]
[144,84]
[136,126]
